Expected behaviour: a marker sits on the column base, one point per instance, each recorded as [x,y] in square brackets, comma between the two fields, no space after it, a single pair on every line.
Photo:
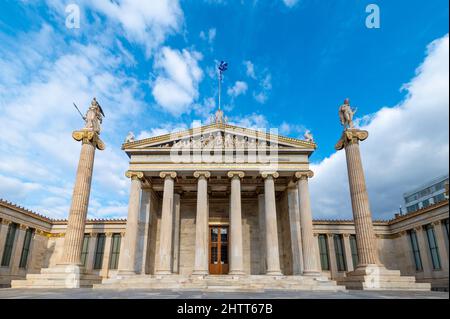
[58,277]
[200,273]
[310,273]
[274,273]
[163,272]
[377,277]
[236,273]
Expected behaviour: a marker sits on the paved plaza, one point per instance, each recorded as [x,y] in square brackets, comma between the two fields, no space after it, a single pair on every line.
[171,294]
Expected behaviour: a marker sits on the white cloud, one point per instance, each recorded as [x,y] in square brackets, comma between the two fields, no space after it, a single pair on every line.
[250,69]
[253,121]
[209,36]
[260,97]
[38,119]
[290,3]
[176,87]
[408,145]
[237,89]
[143,22]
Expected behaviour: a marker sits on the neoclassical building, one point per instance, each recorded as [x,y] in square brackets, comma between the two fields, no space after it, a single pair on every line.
[221,207]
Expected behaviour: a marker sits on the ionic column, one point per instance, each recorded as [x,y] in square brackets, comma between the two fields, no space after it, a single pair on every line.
[440,240]
[166,230]
[91,251]
[201,225]
[348,252]
[424,252]
[73,241]
[311,265]
[18,246]
[236,256]
[106,255]
[365,236]
[333,262]
[262,232]
[273,254]
[176,234]
[294,222]
[127,256]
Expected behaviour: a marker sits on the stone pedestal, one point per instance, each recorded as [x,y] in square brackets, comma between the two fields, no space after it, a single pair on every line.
[369,274]
[69,273]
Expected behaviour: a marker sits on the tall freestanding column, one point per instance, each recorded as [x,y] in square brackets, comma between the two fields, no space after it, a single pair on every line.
[236,260]
[295,229]
[166,230]
[73,241]
[365,236]
[273,254]
[127,257]
[310,254]
[201,225]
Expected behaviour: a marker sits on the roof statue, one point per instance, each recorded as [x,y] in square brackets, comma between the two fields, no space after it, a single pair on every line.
[130,137]
[308,136]
[94,117]
[346,114]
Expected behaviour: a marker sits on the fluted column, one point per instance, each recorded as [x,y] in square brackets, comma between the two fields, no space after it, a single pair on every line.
[176,234]
[166,229]
[201,225]
[273,253]
[311,265]
[365,236]
[262,232]
[294,222]
[440,240]
[73,241]
[127,256]
[236,256]
[348,252]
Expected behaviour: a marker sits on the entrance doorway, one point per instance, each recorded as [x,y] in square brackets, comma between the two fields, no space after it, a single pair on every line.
[218,250]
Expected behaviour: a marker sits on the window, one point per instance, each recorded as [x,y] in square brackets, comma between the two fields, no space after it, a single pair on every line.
[412,208]
[426,203]
[354,249]
[415,249]
[340,254]
[115,251]
[85,249]
[99,250]
[323,248]
[9,243]
[439,198]
[26,248]
[433,247]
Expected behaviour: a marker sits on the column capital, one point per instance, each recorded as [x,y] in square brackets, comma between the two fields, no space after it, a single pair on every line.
[346,235]
[418,228]
[351,136]
[89,136]
[23,227]
[329,235]
[403,233]
[238,174]
[6,222]
[108,234]
[134,175]
[199,174]
[437,222]
[171,175]
[304,174]
[270,174]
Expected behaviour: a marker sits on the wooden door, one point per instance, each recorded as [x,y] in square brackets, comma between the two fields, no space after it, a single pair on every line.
[218,250]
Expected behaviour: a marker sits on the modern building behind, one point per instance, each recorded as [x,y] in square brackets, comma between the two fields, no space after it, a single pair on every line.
[432,192]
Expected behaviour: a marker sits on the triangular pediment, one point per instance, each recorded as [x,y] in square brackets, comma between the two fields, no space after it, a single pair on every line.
[219,135]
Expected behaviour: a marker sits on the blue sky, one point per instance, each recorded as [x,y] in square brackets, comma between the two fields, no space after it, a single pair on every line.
[291,64]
